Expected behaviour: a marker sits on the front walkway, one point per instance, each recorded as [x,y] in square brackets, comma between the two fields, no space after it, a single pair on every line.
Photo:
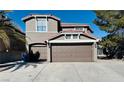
[64,72]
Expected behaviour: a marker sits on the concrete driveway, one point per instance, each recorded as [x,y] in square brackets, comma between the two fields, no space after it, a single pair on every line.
[64,72]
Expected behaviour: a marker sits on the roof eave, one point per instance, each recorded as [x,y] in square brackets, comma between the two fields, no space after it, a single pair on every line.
[72,41]
[33,16]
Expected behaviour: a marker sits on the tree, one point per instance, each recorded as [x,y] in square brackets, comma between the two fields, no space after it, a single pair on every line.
[10,34]
[110,21]
[111,44]
[5,39]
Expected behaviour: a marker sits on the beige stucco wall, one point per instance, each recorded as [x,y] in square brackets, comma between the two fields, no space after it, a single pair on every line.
[52,25]
[32,36]
[42,50]
[30,25]
[38,37]
[94,48]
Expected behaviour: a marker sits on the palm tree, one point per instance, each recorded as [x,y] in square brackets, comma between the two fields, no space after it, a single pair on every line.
[11,35]
[4,38]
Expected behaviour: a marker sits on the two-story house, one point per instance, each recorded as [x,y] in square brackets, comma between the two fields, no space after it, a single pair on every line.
[60,42]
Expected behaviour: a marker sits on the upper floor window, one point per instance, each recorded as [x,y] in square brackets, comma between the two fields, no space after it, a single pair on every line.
[81,28]
[41,25]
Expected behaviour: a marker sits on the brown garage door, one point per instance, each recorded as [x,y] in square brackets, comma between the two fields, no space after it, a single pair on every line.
[71,52]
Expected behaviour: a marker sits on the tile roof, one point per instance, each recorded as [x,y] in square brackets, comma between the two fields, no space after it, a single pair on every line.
[89,35]
[73,24]
[59,34]
[76,25]
[85,34]
[72,31]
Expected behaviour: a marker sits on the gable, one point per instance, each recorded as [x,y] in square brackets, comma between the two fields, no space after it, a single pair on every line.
[82,37]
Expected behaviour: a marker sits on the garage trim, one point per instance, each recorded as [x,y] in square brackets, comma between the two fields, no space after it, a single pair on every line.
[72,41]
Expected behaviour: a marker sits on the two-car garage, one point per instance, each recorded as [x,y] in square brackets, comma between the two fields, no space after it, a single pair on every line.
[71,52]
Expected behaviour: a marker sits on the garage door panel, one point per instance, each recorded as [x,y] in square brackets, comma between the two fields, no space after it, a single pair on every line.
[71,52]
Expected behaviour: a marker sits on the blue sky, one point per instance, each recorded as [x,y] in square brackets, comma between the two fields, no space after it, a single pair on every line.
[70,16]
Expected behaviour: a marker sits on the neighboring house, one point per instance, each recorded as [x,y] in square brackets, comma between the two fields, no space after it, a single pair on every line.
[60,42]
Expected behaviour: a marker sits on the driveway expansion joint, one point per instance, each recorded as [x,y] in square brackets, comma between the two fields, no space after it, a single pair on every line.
[39,72]
[77,73]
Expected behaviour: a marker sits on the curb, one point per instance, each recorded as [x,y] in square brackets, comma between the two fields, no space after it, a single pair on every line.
[11,63]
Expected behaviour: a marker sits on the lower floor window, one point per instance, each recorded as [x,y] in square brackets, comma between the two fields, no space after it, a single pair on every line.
[75,36]
[71,36]
[68,36]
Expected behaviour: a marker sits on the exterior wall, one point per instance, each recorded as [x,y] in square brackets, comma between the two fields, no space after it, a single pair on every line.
[38,37]
[42,50]
[52,25]
[94,53]
[48,52]
[31,25]
[32,36]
